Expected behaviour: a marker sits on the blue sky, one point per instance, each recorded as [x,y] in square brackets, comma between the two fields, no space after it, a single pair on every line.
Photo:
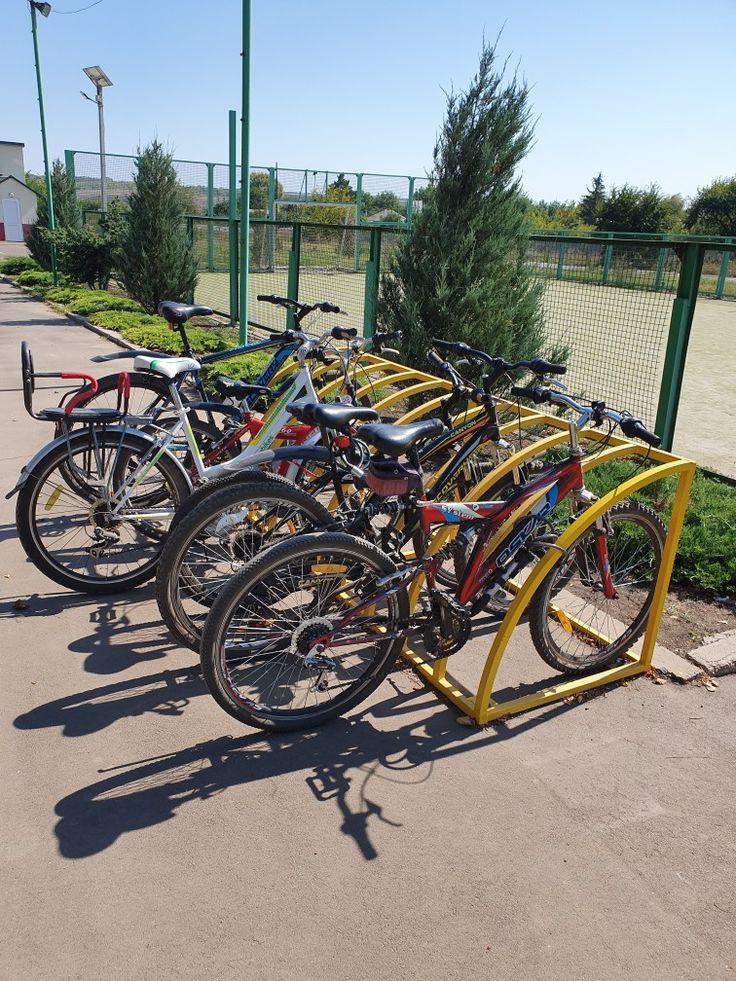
[642,91]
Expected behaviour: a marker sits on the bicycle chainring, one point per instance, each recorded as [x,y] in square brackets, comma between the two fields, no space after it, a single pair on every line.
[449,627]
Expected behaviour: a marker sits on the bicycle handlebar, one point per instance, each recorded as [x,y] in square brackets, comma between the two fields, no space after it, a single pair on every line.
[302,308]
[631,427]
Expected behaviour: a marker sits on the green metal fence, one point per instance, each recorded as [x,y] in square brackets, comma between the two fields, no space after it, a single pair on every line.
[622,306]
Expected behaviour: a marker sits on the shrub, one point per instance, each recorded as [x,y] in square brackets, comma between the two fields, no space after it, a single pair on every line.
[66,214]
[158,337]
[124,320]
[84,256]
[63,295]
[706,557]
[245,366]
[88,302]
[17,264]
[36,279]
[156,260]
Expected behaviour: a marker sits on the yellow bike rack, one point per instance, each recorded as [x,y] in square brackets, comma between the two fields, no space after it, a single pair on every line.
[478,702]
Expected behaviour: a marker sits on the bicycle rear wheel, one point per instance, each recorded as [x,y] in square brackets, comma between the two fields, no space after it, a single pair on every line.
[281,649]
[68,527]
[215,540]
[575,628]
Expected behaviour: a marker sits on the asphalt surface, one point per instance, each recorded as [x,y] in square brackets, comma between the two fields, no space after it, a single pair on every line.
[146,834]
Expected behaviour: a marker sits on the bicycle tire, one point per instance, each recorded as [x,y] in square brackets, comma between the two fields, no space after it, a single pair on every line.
[27,519]
[184,598]
[549,628]
[244,587]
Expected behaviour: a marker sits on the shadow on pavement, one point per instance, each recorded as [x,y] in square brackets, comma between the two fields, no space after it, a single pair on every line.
[334,758]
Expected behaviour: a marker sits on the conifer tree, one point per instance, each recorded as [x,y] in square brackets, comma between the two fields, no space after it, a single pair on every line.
[66,214]
[156,260]
[591,204]
[462,272]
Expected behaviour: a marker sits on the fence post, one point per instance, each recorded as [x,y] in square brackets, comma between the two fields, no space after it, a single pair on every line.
[232,222]
[681,322]
[271,215]
[410,203]
[372,274]
[210,213]
[723,272]
[70,172]
[659,274]
[561,249]
[607,254]
[358,219]
[292,289]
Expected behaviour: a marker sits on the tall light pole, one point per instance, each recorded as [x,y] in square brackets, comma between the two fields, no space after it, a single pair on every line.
[44,9]
[245,176]
[100,81]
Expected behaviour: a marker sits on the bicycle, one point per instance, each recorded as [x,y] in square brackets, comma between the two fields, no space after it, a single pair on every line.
[122,485]
[311,626]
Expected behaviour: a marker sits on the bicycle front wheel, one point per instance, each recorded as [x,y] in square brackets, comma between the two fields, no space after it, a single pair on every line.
[575,626]
[68,522]
[214,541]
[290,642]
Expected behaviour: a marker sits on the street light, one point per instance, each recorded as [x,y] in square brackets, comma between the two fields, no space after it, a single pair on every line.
[100,81]
[44,9]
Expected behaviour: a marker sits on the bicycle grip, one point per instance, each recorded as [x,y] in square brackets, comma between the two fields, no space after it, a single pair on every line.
[435,360]
[343,333]
[635,429]
[542,367]
[329,308]
[536,395]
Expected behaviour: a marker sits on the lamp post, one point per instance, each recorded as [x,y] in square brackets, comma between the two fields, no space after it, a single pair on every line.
[44,9]
[245,176]
[100,81]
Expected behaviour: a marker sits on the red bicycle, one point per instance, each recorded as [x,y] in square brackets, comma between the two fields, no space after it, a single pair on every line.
[310,627]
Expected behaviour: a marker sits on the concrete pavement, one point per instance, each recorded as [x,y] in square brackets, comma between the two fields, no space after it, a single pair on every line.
[146,834]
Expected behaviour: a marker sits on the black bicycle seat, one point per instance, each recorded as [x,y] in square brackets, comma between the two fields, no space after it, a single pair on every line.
[179,313]
[336,417]
[393,440]
[238,389]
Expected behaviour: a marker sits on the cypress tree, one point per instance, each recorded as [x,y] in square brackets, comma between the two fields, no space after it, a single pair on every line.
[462,272]
[66,214]
[156,260]
[593,201]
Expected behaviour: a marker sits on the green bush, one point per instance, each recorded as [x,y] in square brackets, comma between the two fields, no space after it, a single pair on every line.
[706,557]
[94,301]
[63,295]
[245,366]
[36,280]
[124,320]
[17,264]
[84,256]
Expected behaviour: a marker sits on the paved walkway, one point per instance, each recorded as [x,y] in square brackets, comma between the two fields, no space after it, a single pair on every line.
[145,834]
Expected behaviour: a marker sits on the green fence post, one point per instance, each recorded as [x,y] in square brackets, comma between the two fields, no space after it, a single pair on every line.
[358,219]
[723,272]
[271,216]
[210,213]
[607,256]
[71,174]
[292,289]
[410,203]
[232,218]
[659,274]
[681,322]
[372,273]
[561,249]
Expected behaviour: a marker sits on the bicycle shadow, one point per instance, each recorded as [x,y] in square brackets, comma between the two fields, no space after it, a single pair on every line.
[165,693]
[334,758]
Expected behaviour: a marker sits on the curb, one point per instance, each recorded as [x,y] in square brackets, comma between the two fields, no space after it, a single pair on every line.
[717,655]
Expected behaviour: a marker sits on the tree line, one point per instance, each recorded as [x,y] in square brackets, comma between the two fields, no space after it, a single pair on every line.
[624,208]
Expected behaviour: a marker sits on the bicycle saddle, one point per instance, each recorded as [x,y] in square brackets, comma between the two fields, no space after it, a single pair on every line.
[80,415]
[393,440]
[168,367]
[336,417]
[239,389]
[179,313]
